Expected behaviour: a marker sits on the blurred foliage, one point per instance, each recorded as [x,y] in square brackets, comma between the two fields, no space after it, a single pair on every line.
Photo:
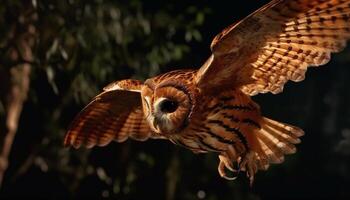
[83,45]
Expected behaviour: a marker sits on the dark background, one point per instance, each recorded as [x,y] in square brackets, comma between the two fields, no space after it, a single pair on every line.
[81,46]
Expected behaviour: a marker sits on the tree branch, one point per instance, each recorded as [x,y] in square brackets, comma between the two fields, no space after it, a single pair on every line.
[18,86]
[172,176]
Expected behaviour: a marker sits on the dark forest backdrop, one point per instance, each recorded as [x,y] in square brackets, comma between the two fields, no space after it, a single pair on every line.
[56,55]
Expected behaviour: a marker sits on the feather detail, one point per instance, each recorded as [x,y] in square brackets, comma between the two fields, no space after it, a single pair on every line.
[275,44]
[277,139]
[115,114]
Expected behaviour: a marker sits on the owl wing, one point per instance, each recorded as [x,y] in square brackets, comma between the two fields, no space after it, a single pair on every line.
[114,114]
[275,44]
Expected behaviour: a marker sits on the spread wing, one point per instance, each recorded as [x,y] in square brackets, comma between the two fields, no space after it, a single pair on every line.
[276,44]
[115,114]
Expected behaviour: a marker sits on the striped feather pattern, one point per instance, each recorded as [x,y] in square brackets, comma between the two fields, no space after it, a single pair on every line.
[275,44]
[277,139]
[232,126]
[228,119]
[112,115]
[307,39]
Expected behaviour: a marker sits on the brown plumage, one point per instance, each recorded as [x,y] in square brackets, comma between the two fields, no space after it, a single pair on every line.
[210,109]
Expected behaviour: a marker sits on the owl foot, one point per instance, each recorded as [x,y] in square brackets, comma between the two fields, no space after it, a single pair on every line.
[248,164]
[226,163]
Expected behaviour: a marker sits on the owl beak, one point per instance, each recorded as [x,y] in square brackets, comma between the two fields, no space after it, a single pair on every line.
[155,126]
[154,123]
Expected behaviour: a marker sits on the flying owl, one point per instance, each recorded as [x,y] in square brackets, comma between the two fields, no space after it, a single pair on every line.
[210,109]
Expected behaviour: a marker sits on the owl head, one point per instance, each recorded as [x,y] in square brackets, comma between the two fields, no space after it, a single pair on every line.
[167,106]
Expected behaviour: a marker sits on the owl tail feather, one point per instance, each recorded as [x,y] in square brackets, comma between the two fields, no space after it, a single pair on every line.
[276,140]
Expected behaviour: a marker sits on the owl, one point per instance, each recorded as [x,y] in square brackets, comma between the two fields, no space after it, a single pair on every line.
[210,109]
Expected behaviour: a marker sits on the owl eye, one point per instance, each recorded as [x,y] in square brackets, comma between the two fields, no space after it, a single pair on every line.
[168,106]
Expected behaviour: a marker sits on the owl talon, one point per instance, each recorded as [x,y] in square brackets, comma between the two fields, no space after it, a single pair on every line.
[248,164]
[224,164]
